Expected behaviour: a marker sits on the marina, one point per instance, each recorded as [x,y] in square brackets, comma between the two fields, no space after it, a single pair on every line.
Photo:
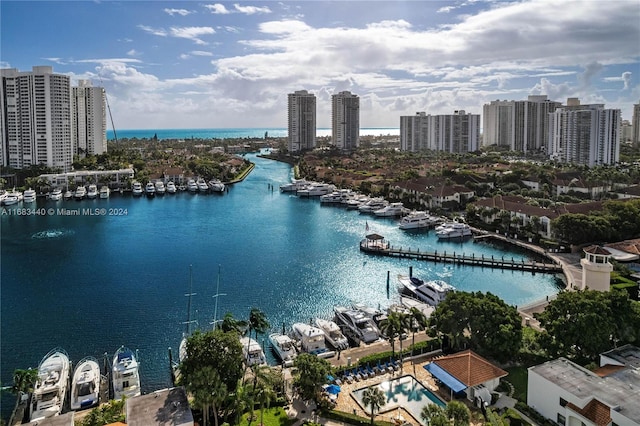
[284,254]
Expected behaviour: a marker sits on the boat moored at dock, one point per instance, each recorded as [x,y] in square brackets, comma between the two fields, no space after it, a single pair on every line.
[92,192]
[252,351]
[311,340]
[160,188]
[171,187]
[51,387]
[56,195]
[150,189]
[417,220]
[454,230]
[85,384]
[80,193]
[357,324]
[125,377]
[432,292]
[136,189]
[29,196]
[332,333]
[284,347]
[105,192]
[216,186]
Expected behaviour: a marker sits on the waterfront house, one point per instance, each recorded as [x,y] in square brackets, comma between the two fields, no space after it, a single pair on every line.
[113,178]
[628,192]
[175,174]
[434,193]
[571,395]
[162,407]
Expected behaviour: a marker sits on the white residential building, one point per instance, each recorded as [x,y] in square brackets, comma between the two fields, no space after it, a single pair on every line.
[571,395]
[585,134]
[301,121]
[35,118]
[456,133]
[345,120]
[520,125]
[636,124]
[88,119]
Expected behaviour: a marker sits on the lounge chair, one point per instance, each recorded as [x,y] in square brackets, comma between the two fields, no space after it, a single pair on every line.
[357,375]
[395,365]
[371,372]
[364,373]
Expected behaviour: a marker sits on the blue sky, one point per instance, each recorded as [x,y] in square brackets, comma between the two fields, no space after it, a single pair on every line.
[199,64]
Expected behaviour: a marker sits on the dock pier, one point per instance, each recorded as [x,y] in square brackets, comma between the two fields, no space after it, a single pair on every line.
[377,246]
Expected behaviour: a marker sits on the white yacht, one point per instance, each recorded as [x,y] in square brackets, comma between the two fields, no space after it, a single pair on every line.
[356,202]
[284,347]
[417,220]
[125,378]
[92,192]
[67,195]
[311,339]
[51,387]
[80,193]
[431,292]
[373,205]
[216,185]
[171,187]
[192,186]
[202,185]
[85,385]
[360,326]
[56,195]
[252,351]
[12,197]
[316,189]
[29,196]
[160,188]
[455,230]
[150,189]
[136,189]
[294,186]
[333,334]
[332,198]
[105,192]
[393,209]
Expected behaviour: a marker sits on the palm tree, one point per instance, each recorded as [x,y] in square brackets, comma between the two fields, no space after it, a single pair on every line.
[208,392]
[229,323]
[419,319]
[264,392]
[23,383]
[396,324]
[374,398]
[459,412]
[434,415]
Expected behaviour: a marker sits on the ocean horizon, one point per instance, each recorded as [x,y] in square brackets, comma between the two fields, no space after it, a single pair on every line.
[234,133]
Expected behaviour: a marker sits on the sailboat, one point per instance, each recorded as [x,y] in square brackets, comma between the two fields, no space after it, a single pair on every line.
[182,351]
[217,295]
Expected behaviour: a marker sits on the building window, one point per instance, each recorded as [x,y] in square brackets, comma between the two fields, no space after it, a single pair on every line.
[561,419]
[563,402]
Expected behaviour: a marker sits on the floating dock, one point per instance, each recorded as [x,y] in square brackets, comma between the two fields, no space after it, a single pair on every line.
[375,244]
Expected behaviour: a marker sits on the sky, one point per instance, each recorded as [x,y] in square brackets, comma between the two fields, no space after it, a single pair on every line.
[200,64]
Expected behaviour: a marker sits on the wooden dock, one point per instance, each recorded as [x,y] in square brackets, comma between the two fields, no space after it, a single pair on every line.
[383,248]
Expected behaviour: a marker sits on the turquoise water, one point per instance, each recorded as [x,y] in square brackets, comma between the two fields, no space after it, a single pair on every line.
[91,283]
[402,392]
[274,132]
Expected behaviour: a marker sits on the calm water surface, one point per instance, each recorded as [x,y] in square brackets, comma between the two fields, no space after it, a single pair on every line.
[92,283]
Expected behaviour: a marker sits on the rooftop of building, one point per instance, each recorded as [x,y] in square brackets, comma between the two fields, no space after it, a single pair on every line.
[162,407]
[470,368]
[627,356]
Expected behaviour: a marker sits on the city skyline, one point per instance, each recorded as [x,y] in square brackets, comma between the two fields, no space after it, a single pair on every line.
[206,65]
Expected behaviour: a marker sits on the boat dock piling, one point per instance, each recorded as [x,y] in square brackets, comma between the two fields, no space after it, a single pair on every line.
[377,248]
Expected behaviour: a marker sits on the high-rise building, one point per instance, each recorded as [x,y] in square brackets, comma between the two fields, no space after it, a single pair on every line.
[456,133]
[301,121]
[519,125]
[345,120]
[636,124]
[88,119]
[36,127]
[585,134]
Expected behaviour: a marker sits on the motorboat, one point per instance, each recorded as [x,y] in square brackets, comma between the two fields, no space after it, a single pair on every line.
[252,352]
[56,195]
[332,334]
[125,378]
[311,340]
[357,201]
[29,196]
[136,189]
[150,189]
[455,230]
[85,384]
[374,204]
[80,193]
[192,186]
[67,195]
[171,187]
[105,192]
[393,209]
[160,188]
[12,197]
[332,198]
[357,324]
[202,185]
[316,189]
[432,292]
[51,387]
[294,186]
[216,185]
[284,347]
[92,192]
[416,220]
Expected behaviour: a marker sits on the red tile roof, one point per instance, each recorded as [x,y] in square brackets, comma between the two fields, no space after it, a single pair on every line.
[596,411]
[597,250]
[470,368]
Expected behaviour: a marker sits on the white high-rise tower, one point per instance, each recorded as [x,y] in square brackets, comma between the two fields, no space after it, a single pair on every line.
[345,120]
[88,119]
[301,121]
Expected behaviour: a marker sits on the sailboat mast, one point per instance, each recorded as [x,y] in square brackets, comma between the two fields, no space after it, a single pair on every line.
[217,295]
[189,302]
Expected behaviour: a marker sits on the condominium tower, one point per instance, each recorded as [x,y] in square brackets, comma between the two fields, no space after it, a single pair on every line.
[88,119]
[456,133]
[301,121]
[585,134]
[519,125]
[345,120]
[636,124]
[35,123]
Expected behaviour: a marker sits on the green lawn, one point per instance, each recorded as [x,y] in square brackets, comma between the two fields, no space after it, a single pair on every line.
[518,378]
[275,416]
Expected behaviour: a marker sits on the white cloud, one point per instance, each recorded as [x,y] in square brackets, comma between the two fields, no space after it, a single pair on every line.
[217,8]
[181,12]
[201,53]
[251,10]
[155,31]
[133,52]
[625,78]
[192,33]
[58,61]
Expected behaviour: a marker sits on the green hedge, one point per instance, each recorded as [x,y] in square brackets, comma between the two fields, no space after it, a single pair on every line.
[351,419]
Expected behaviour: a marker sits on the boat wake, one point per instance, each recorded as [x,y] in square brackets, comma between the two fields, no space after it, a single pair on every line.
[52,233]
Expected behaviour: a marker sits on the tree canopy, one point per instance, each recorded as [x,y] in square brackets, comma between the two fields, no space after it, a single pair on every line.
[311,375]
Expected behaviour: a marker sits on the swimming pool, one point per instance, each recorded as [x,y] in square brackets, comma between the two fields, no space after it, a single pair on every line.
[402,392]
